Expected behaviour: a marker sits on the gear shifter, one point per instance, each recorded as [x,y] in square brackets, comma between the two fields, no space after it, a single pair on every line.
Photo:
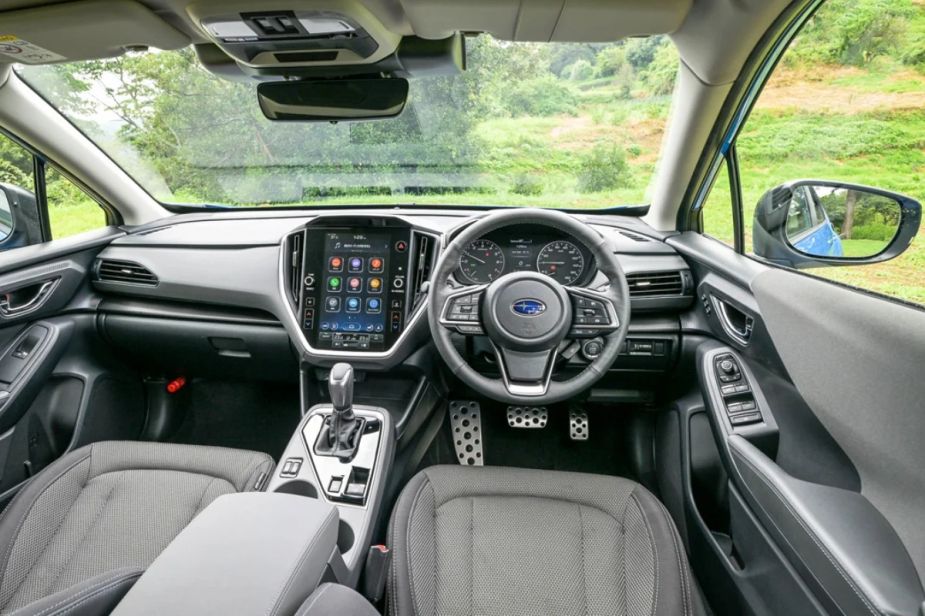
[343,427]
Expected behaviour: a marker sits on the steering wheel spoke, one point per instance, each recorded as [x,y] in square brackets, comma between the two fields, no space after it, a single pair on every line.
[593,313]
[460,311]
[526,373]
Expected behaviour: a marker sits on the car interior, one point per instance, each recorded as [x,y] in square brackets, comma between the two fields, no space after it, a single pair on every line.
[453,410]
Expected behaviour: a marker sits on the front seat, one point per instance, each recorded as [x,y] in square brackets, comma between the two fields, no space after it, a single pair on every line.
[80,533]
[496,541]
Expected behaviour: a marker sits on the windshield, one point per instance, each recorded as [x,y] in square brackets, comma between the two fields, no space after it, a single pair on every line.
[553,125]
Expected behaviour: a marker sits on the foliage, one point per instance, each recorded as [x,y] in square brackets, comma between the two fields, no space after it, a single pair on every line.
[659,76]
[527,185]
[881,231]
[541,96]
[582,70]
[603,168]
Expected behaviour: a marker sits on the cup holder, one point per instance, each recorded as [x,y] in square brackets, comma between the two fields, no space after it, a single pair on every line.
[299,488]
[345,537]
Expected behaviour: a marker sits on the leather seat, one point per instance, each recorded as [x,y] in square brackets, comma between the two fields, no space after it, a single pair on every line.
[80,533]
[497,541]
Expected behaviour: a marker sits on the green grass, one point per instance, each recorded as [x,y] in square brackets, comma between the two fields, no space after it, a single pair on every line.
[862,248]
[68,220]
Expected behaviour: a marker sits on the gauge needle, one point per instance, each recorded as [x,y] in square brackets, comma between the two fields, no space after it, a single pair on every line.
[471,256]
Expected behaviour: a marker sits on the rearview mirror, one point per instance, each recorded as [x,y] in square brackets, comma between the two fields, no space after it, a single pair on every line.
[333,100]
[809,223]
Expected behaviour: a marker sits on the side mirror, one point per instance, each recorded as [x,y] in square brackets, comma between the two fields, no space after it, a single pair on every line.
[19,217]
[813,223]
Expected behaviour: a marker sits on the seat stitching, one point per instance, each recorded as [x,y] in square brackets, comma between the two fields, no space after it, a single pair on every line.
[83,539]
[609,514]
[93,590]
[685,596]
[623,554]
[205,490]
[584,573]
[471,606]
[651,537]
[9,549]
[811,534]
[414,503]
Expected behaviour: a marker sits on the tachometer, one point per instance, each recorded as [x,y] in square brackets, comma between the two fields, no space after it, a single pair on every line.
[562,261]
[482,261]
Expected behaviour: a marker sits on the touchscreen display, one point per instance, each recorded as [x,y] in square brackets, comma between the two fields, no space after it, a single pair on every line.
[354,284]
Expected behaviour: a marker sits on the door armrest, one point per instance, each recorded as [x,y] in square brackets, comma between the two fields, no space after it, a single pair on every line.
[835,536]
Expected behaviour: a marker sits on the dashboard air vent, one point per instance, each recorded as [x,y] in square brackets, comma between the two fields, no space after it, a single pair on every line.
[655,284]
[127,272]
[295,244]
[423,264]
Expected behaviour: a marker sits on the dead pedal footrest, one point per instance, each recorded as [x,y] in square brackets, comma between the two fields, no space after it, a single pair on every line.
[466,424]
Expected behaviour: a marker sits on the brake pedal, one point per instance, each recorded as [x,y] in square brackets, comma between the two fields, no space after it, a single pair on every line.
[578,425]
[527,416]
[466,423]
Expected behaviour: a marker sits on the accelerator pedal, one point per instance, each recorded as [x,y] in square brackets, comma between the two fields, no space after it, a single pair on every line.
[466,423]
[527,416]
[578,427]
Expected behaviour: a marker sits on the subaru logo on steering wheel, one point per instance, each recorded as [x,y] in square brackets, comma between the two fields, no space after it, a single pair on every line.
[528,307]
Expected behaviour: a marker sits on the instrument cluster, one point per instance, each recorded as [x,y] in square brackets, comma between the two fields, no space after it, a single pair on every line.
[520,248]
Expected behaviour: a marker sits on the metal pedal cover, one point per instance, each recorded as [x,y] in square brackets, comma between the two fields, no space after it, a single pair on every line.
[466,423]
[578,425]
[527,416]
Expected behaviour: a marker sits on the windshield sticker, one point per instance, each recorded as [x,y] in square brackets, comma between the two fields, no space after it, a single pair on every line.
[25,52]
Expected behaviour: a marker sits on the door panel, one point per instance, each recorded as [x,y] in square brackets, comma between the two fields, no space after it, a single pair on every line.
[832,469]
[857,360]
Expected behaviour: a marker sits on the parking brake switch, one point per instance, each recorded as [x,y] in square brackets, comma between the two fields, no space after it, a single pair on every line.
[738,397]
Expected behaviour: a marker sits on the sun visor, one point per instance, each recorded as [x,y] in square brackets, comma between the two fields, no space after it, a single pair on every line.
[82,31]
[547,20]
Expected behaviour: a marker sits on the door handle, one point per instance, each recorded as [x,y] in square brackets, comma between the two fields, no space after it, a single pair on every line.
[736,322]
[26,299]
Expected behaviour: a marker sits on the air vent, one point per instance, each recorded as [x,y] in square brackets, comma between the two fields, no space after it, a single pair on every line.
[295,244]
[634,236]
[655,284]
[126,272]
[423,264]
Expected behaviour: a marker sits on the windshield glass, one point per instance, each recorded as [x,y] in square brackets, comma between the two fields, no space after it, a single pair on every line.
[553,125]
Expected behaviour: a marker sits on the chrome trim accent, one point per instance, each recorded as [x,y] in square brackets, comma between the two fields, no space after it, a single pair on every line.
[520,389]
[293,326]
[742,337]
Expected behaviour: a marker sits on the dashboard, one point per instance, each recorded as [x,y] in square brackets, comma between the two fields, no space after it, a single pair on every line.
[351,285]
[531,248]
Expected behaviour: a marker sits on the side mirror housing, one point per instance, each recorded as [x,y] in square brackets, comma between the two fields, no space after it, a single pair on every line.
[816,223]
[19,217]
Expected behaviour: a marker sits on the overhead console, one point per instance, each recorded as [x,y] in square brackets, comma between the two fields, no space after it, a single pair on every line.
[295,32]
[355,284]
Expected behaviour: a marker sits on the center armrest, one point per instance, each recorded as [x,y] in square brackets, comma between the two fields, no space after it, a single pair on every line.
[250,553]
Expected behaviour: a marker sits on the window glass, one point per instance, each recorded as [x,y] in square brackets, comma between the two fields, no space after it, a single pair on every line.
[70,209]
[847,103]
[19,220]
[717,212]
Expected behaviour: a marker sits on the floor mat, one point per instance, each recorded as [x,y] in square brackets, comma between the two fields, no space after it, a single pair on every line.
[253,415]
[550,448]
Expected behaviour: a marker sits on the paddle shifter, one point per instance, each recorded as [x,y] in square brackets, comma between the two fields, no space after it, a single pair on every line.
[342,429]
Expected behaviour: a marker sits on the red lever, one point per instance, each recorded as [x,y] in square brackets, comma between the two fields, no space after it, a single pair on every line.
[176,385]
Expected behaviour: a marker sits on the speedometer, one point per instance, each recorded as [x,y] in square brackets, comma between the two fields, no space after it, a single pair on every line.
[562,261]
[482,261]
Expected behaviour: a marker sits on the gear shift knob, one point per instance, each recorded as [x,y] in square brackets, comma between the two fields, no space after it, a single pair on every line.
[340,387]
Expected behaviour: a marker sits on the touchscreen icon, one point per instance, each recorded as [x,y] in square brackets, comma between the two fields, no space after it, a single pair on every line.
[376,264]
[352,304]
[335,264]
[375,285]
[356,264]
[334,283]
[373,305]
[332,304]
[354,284]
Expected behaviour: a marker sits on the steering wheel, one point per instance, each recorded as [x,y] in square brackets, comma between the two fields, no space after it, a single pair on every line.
[528,316]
